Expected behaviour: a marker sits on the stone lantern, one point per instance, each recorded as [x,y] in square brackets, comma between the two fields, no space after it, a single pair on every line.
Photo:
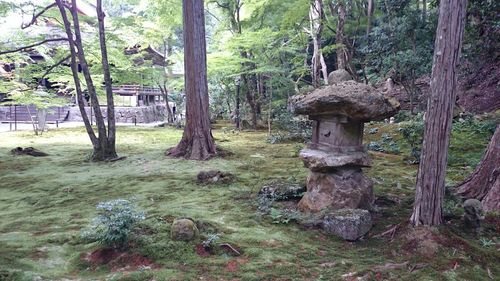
[336,154]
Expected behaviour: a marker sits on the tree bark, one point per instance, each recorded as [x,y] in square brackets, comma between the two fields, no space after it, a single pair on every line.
[250,95]
[369,13]
[197,142]
[101,145]
[110,139]
[101,127]
[74,70]
[429,194]
[168,74]
[424,11]
[484,183]
[318,66]
[164,91]
[339,40]
[238,102]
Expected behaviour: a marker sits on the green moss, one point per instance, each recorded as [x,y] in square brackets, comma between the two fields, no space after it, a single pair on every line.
[46,202]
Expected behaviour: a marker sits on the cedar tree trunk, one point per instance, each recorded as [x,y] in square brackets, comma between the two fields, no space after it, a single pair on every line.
[197,142]
[427,209]
[484,183]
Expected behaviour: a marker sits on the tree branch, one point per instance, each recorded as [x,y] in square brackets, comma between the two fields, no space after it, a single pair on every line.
[33,45]
[55,65]
[37,15]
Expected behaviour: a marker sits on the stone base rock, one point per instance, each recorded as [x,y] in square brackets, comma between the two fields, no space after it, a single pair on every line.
[322,161]
[339,75]
[343,188]
[350,224]
[282,190]
[183,230]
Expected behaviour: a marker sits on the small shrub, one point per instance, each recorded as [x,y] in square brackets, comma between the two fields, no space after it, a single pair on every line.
[452,204]
[114,223]
[210,241]
[470,123]
[375,146]
[284,216]
[373,131]
[487,243]
[265,203]
[386,144]
[402,116]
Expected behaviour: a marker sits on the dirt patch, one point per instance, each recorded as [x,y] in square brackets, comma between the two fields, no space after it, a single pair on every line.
[202,251]
[477,88]
[118,260]
[421,240]
[223,153]
[493,222]
[232,266]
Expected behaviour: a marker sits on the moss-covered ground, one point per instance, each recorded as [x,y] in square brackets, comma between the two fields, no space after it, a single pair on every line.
[46,202]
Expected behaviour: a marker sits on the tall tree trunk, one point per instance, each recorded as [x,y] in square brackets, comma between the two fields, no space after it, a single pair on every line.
[74,70]
[168,74]
[318,66]
[269,113]
[424,11]
[197,142]
[101,127]
[238,102]
[429,195]
[109,150]
[250,95]
[484,183]
[164,92]
[369,14]
[104,143]
[341,52]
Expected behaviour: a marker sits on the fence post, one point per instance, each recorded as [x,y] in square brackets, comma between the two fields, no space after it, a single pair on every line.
[15,117]
[10,118]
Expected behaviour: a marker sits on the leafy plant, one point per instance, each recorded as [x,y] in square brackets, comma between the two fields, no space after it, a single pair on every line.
[264,204]
[375,146]
[114,223]
[210,240]
[487,242]
[283,216]
[402,116]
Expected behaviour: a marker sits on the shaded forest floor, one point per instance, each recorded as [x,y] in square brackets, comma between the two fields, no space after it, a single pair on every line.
[46,202]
